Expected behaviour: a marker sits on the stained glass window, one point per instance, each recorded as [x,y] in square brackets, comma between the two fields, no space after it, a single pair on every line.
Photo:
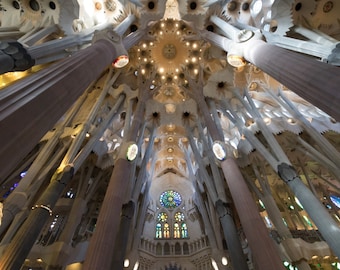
[335,200]
[179,216]
[177,233]
[166,230]
[170,199]
[184,230]
[159,230]
[162,217]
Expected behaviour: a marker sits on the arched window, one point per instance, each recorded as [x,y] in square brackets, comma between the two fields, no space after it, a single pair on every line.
[166,249]
[162,226]
[185,248]
[158,230]
[166,231]
[177,233]
[184,230]
[180,227]
[178,250]
[158,249]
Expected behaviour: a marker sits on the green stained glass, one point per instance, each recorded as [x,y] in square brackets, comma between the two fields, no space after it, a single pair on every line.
[184,231]
[170,199]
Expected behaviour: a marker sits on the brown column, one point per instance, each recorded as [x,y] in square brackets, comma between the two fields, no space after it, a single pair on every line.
[17,251]
[128,210]
[264,251]
[31,107]
[99,254]
[317,82]
[238,259]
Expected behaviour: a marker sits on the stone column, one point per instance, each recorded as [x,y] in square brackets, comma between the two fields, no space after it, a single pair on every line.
[57,88]
[265,253]
[314,81]
[128,210]
[14,57]
[327,226]
[17,251]
[238,259]
[99,253]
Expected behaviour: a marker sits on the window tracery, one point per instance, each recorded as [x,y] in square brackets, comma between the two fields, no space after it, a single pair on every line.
[174,227]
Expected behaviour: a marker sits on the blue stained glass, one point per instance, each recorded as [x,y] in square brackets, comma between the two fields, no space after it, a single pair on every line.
[170,199]
[335,200]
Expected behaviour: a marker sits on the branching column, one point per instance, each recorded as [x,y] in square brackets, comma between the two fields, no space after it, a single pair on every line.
[17,251]
[57,87]
[102,243]
[314,81]
[238,259]
[123,235]
[328,228]
[311,79]
[16,201]
[262,246]
[239,188]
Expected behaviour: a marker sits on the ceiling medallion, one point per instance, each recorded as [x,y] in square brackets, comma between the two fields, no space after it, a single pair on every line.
[169,51]
[110,5]
[170,108]
[170,127]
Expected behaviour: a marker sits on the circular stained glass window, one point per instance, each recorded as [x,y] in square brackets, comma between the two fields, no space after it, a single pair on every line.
[162,217]
[170,199]
[179,216]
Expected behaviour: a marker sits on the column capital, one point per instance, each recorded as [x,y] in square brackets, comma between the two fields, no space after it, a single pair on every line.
[107,34]
[287,172]
[117,44]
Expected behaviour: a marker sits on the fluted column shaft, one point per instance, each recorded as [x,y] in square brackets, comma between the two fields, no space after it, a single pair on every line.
[74,218]
[57,88]
[237,256]
[208,228]
[119,251]
[327,226]
[314,81]
[264,251]
[99,253]
[140,222]
[17,251]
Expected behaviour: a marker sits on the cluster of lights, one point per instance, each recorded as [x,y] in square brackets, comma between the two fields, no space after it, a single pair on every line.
[176,52]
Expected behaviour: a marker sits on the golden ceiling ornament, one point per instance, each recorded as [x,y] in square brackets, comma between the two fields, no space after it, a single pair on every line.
[171,127]
[169,51]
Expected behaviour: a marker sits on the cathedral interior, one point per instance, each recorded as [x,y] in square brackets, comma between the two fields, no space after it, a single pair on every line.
[170,134]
